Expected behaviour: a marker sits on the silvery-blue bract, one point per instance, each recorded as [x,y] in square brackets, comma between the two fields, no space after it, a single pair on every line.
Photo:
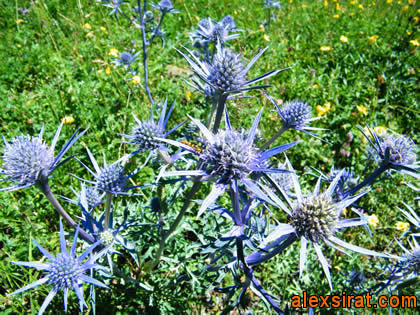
[395,152]
[165,6]
[88,195]
[29,161]
[229,158]
[209,31]
[64,272]
[115,6]
[314,219]
[126,58]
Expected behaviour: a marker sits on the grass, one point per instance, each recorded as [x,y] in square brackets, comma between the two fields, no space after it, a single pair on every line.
[54,64]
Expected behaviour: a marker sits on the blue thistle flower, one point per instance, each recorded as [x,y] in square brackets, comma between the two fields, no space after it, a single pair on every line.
[126,59]
[29,161]
[394,151]
[229,157]
[115,6]
[110,178]
[89,197]
[315,219]
[272,4]
[144,134]
[165,6]
[209,31]
[226,74]
[64,272]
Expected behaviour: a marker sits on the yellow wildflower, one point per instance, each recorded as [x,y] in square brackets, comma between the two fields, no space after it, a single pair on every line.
[361,6]
[402,226]
[351,14]
[188,96]
[372,39]
[315,86]
[113,52]
[304,6]
[325,3]
[415,42]
[266,38]
[108,71]
[290,1]
[336,16]
[90,34]
[103,29]
[379,130]
[388,1]
[337,6]
[373,3]
[362,109]
[353,2]
[19,21]
[18,45]
[373,220]
[325,48]
[416,19]
[323,109]
[344,39]
[405,8]
[67,119]
[87,26]
[262,28]
[135,80]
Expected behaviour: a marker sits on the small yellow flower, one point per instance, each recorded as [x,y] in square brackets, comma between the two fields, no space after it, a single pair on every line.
[315,86]
[344,39]
[290,1]
[135,80]
[325,48]
[362,109]
[373,220]
[18,45]
[405,8]
[262,28]
[19,21]
[351,14]
[373,3]
[416,19]
[103,29]
[337,6]
[90,34]
[353,2]
[323,109]
[67,119]
[113,52]
[87,26]
[361,6]
[372,39]
[379,130]
[304,6]
[266,38]
[188,96]
[108,71]
[415,42]
[325,3]
[402,226]
[388,1]
[336,16]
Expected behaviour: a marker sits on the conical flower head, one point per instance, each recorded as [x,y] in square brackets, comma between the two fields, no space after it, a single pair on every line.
[401,149]
[93,197]
[227,71]
[64,271]
[315,218]
[27,158]
[230,156]
[296,114]
[144,135]
[111,178]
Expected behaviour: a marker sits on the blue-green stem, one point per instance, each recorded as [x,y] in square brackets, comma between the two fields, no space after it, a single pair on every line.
[46,190]
[372,177]
[274,138]
[221,102]
[108,203]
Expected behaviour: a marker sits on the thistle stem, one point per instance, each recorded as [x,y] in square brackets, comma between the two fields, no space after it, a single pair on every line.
[174,225]
[46,190]
[108,203]
[144,42]
[273,138]
[368,180]
[157,28]
[220,108]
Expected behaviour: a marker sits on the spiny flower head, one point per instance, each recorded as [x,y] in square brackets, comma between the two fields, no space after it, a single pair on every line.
[145,133]
[394,151]
[229,157]
[28,160]
[227,71]
[315,218]
[209,31]
[295,114]
[225,74]
[126,58]
[110,178]
[64,272]
[88,198]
